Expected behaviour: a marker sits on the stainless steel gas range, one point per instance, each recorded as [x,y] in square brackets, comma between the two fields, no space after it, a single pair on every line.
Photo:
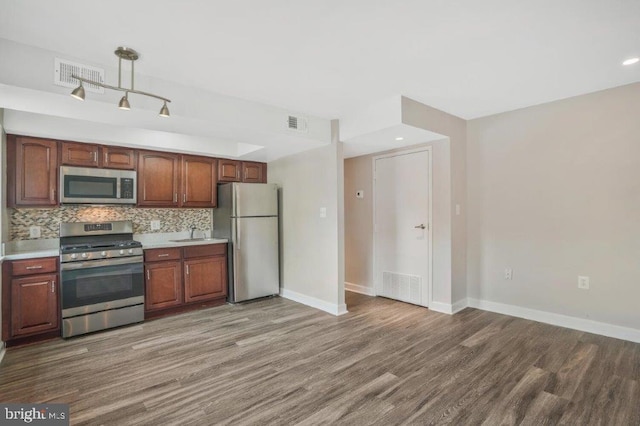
[102,281]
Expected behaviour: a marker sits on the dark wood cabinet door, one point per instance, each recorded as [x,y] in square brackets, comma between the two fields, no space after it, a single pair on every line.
[34,304]
[163,285]
[158,174]
[118,158]
[229,170]
[253,172]
[32,172]
[205,278]
[199,181]
[80,154]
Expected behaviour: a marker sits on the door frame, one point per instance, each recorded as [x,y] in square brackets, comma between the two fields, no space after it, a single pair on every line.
[429,149]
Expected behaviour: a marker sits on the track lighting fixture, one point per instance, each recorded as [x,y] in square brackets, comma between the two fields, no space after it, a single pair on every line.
[128,55]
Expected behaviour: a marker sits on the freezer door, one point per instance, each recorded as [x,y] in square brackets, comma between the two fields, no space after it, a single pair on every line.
[255,258]
[254,199]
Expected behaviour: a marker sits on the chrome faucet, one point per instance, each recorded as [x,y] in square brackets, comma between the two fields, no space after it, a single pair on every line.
[193,228]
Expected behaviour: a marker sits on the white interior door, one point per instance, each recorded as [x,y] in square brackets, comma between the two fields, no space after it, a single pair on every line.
[402,228]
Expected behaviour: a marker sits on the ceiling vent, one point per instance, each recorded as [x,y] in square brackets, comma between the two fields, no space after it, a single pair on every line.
[65,69]
[297,123]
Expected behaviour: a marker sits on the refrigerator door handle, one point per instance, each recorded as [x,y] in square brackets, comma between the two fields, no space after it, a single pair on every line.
[237,234]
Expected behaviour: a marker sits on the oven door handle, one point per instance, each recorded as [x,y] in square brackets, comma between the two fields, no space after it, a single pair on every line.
[100,263]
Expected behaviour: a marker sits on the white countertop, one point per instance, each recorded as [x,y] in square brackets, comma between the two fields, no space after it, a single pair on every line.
[31,249]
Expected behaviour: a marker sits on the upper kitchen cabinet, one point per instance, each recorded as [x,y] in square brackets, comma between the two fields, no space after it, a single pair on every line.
[114,157]
[254,172]
[199,179]
[158,179]
[80,154]
[90,155]
[229,170]
[241,171]
[32,172]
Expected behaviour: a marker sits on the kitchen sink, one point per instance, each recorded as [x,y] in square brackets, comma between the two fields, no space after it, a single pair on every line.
[191,240]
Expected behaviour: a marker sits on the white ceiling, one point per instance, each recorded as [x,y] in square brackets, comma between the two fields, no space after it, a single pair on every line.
[329,58]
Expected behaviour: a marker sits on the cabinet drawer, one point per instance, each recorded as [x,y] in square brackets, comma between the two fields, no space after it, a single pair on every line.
[156,255]
[34,266]
[205,250]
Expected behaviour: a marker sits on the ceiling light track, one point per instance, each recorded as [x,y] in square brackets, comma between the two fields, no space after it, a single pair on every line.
[128,55]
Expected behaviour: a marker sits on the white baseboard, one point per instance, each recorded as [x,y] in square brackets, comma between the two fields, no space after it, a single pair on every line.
[356,288]
[581,324]
[446,308]
[458,306]
[443,308]
[332,308]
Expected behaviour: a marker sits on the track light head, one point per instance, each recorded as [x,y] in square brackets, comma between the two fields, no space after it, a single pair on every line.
[124,103]
[78,93]
[164,111]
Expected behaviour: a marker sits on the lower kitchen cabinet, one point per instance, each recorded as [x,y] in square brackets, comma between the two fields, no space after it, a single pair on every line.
[163,285]
[34,304]
[205,278]
[181,278]
[30,300]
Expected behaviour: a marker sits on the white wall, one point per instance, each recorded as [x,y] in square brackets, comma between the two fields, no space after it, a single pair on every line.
[419,115]
[553,193]
[311,270]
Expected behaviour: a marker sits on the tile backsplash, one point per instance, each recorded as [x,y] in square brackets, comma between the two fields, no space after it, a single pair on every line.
[171,220]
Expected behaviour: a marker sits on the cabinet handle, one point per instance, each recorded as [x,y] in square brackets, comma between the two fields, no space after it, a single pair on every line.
[53,286]
[175,197]
[184,198]
[148,275]
[163,255]
[34,267]
[106,158]
[52,194]
[95,156]
[187,269]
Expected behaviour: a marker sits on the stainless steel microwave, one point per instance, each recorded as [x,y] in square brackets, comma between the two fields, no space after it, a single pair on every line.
[86,185]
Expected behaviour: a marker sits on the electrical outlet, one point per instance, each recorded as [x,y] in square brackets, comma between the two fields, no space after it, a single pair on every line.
[34,232]
[323,212]
[583,282]
[508,273]
[155,225]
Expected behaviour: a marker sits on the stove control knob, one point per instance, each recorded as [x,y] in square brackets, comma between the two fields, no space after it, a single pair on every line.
[130,251]
[84,255]
[121,251]
[74,256]
[103,253]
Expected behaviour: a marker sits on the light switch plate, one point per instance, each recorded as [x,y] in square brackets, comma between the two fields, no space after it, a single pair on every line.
[583,282]
[155,225]
[323,212]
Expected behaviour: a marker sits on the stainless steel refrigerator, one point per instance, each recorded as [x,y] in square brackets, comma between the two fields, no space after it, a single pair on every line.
[247,215]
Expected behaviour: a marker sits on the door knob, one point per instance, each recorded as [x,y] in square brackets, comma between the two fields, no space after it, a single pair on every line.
[421,226]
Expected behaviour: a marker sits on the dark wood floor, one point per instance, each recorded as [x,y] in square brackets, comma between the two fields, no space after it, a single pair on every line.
[279,362]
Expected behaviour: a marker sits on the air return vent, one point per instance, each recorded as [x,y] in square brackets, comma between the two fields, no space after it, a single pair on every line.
[407,288]
[65,69]
[296,123]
